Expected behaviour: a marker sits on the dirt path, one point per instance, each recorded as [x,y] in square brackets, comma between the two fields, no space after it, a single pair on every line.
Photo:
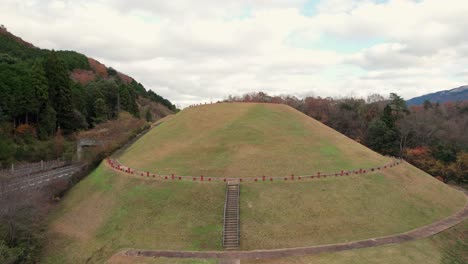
[422,232]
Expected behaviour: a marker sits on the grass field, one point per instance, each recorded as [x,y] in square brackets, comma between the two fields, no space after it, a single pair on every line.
[246,140]
[337,209]
[448,247]
[106,212]
[109,211]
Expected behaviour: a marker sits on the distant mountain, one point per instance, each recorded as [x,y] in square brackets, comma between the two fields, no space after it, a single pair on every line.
[453,95]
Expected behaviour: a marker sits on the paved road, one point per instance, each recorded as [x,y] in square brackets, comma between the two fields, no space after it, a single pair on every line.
[39,180]
[415,234]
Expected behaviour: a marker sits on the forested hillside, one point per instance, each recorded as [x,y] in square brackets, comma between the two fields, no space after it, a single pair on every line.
[44,91]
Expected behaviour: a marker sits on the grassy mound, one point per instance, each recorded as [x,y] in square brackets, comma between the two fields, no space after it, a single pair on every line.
[246,140]
[109,211]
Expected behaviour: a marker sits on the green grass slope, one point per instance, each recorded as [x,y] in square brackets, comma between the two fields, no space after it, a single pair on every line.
[331,210]
[246,140]
[109,210]
[448,247]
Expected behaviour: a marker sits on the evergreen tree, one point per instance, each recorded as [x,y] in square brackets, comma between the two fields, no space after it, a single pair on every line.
[47,121]
[382,134]
[125,100]
[6,99]
[60,90]
[133,106]
[79,98]
[387,117]
[100,111]
[22,95]
[39,83]
[40,87]
[5,58]
[398,105]
[376,135]
[110,92]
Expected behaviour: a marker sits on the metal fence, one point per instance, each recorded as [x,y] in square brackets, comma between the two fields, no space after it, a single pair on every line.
[39,179]
[23,169]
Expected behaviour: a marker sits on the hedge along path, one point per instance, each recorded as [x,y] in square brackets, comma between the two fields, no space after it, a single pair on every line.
[419,233]
[116,165]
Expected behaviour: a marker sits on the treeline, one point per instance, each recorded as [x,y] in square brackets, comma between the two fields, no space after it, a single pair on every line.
[38,97]
[431,136]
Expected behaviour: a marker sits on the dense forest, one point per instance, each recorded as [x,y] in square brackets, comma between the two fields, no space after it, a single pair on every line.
[39,97]
[431,136]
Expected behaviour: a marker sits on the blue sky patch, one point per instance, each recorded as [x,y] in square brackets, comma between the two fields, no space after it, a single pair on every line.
[310,7]
[342,45]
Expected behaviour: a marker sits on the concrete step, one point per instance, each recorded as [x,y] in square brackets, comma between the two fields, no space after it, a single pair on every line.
[231,217]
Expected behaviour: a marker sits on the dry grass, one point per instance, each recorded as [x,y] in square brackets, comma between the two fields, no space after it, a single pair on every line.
[116,130]
[450,246]
[331,210]
[106,212]
[83,220]
[157,110]
[246,140]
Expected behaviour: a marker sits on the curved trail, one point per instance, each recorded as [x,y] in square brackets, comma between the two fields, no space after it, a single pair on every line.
[419,233]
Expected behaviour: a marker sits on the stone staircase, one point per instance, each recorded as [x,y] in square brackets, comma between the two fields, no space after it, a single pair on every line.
[231,217]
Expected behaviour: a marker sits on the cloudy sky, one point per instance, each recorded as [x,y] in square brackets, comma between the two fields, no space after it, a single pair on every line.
[197,51]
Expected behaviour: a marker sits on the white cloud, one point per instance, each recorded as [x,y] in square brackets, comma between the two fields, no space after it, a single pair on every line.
[193,51]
